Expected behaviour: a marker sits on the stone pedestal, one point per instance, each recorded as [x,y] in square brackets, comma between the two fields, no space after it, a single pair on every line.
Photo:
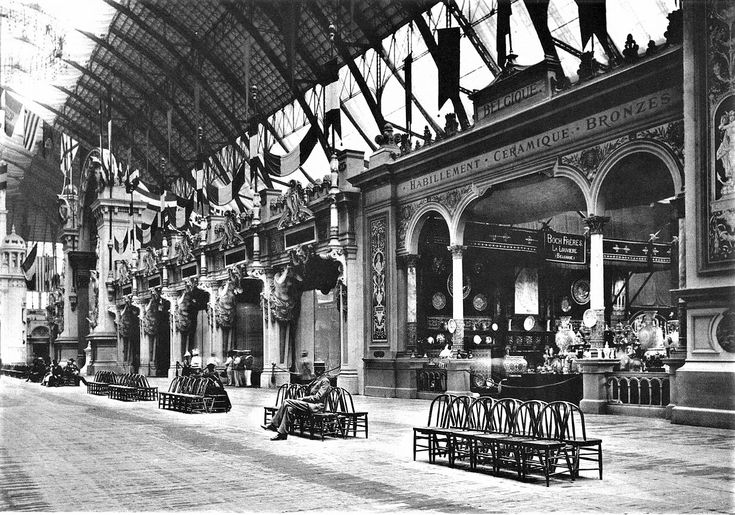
[458,377]
[594,390]
[104,353]
[66,347]
[674,364]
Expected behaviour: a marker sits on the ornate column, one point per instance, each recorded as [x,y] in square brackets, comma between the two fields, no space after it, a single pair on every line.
[412,261]
[174,337]
[457,295]
[680,350]
[597,277]
[68,339]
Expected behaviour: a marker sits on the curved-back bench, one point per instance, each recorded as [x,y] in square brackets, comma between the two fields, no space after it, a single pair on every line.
[101,382]
[194,395]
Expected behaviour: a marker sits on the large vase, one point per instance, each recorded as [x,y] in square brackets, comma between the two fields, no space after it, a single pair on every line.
[565,335]
[650,335]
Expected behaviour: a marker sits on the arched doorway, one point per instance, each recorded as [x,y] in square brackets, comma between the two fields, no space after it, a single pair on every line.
[524,249]
[248,325]
[635,193]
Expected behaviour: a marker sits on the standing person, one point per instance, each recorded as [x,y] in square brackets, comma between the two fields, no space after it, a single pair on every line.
[306,367]
[317,390]
[248,372]
[230,368]
[213,360]
[239,369]
[196,361]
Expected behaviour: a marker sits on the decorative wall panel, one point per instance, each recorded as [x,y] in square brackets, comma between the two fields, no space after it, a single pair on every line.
[377,272]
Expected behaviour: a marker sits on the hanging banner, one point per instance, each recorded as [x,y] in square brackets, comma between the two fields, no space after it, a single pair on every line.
[641,252]
[564,248]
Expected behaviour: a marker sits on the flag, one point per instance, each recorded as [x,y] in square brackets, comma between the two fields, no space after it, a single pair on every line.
[448,63]
[29,267]
[408,79]
[592,19]
[31,123]
[13,108]
[331,102]
[121,247]
[504,12]
[290,162]
[538,10]
[3,175]
[222,195]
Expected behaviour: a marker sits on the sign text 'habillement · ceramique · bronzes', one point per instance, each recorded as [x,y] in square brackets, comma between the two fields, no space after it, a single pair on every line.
[605,121]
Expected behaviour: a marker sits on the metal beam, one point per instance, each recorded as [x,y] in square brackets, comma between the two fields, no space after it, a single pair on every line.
[469,30]
[352,120]
[159,142]
[378,46]
[567,48]
[434,51]
[219,65]
[94,143]
[156,34]
[280,67]
[344,54]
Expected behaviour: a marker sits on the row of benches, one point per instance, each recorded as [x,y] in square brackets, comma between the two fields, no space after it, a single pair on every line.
[527,437]
[186,394]
[338,418]
[19,370]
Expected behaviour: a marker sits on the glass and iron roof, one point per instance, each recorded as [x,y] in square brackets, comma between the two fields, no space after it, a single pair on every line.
[168,67]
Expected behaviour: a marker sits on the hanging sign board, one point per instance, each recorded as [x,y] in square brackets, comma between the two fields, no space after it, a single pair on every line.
[564,248]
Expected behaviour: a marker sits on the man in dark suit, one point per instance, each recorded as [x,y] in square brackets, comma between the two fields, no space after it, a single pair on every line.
[313,402]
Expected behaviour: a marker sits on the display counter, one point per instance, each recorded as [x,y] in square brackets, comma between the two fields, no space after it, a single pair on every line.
[542,387]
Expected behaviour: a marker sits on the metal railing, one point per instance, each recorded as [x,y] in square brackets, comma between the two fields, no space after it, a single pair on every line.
[638,388]
[431,379]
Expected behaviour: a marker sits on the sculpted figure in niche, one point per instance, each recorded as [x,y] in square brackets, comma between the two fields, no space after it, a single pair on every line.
[94,291]
[726,151]
[183,249]
[229,231]
[295,206]
[150,321]
[224,308]
[127,326]
[150,257]
[186,312]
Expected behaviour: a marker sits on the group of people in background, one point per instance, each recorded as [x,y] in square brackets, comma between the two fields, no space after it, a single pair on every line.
[54,374]
[238,367]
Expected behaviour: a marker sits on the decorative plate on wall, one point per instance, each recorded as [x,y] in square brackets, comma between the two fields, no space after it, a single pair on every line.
[581,291]
[529,322]
[479,302]
[439,301]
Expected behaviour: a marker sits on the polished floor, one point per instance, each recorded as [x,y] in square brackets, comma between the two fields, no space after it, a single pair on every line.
[64,450]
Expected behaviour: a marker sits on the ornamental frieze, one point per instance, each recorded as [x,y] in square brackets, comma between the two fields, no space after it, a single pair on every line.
[722,235]
[449,199]
[588,160]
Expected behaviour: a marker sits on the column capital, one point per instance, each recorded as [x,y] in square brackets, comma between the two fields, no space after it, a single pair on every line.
[456,250]
[405,261]
[596,223]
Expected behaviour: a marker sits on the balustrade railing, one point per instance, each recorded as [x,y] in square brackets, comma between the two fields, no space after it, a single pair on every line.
[638,388]
[431,379]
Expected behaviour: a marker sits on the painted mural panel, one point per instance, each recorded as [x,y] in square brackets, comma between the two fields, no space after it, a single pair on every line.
[377,260]
[720,183]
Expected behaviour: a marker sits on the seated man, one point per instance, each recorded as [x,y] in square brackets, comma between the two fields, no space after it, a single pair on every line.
[210,373]
[53,375]
[72,370]
[312,403]
[215,386]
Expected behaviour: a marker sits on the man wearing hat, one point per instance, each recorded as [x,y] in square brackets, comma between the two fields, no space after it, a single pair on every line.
[71,370]
[317,390]
[196,360]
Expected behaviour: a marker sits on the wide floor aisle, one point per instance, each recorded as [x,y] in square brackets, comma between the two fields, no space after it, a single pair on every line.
[64,450]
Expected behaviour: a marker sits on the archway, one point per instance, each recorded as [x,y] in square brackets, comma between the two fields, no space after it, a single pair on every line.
[524,246]
[247,327]
[635,189]
[433,284]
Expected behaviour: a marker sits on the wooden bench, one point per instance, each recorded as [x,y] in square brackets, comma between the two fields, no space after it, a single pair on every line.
[19,370]
[285,391]
[132,387]
[194,395]
[326,422]
[101,382]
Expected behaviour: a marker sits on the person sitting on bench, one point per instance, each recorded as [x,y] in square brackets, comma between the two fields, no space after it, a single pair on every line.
[312,403]
[72,370]
[210,373]
[53,375]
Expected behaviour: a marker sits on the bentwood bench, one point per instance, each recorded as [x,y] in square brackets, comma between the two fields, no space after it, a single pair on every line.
[350,419]
[132,387]
[101,382]
[194,395]
[16,370]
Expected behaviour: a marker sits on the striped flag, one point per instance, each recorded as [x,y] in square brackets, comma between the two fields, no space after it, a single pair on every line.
[29,267]
[331,102]
[30,129]
[13,108]
[222,195]
[286,164]
[69,147]
[3,175]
